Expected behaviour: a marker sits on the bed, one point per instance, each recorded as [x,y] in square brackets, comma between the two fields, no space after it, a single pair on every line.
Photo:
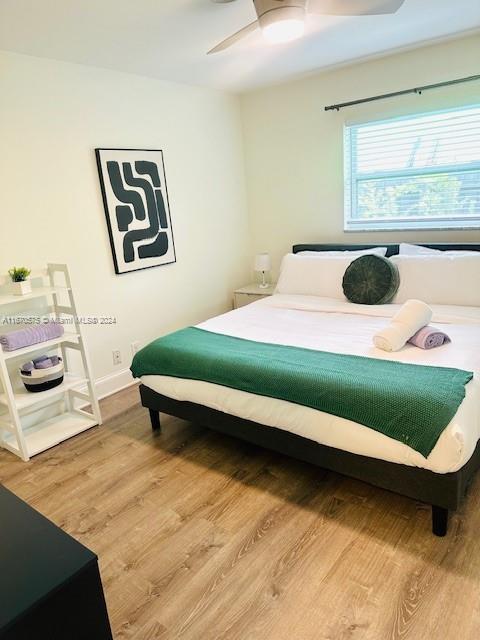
[333,442]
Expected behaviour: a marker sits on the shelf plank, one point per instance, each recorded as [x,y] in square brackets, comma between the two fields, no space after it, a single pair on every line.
[24,398]
[48,433]
[11,446]
[40,346]
[37,292]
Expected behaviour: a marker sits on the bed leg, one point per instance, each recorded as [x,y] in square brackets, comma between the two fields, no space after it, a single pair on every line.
[439,521]
[154,419]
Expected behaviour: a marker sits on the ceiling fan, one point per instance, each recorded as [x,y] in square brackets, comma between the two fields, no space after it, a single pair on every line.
[284,20]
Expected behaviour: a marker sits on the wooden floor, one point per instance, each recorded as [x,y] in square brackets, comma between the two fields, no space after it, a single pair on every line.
[204,537]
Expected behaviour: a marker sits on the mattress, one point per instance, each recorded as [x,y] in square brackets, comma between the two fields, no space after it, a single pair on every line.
[339,326]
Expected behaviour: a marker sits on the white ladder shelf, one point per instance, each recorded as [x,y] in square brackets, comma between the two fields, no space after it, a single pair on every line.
[27,424]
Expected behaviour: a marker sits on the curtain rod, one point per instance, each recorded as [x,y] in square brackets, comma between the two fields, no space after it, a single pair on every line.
[418,90]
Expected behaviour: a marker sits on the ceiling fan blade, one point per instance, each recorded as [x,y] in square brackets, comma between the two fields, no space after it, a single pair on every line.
[354,7]
[228,42]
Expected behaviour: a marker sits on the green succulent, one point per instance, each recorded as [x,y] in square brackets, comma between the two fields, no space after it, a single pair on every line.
[19,274]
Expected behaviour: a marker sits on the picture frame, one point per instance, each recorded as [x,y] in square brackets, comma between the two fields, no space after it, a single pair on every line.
[137,208]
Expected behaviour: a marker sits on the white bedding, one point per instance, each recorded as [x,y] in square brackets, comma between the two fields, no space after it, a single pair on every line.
[335,325]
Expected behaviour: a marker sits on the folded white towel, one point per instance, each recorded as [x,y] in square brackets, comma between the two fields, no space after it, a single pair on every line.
[414,315]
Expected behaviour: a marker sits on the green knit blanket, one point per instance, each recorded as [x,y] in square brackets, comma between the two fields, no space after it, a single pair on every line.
[407,402]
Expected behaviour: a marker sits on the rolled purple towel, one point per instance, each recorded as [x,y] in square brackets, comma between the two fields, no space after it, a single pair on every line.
[30,335]
[44,364]
[28,367]
[429,337]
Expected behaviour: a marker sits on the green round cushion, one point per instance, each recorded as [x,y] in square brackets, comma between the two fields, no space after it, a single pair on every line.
[371,279]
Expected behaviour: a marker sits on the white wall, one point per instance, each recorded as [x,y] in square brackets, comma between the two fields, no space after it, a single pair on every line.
[293,148]
[52,116]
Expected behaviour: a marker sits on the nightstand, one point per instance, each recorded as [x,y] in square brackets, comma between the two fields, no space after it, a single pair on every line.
[250,293]
[50,587]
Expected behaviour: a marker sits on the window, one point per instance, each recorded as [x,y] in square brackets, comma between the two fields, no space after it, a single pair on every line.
[418,172]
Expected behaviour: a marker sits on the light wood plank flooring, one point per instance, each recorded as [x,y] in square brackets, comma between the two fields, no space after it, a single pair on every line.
[202,537]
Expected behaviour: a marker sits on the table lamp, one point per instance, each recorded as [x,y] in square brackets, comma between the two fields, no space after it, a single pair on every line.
[263,264]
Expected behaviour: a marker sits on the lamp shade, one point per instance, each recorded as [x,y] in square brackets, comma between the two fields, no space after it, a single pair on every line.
[262,262]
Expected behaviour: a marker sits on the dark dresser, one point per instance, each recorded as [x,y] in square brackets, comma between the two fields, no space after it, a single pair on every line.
[50,587]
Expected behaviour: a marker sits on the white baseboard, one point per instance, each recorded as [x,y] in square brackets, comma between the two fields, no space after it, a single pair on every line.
[113,382]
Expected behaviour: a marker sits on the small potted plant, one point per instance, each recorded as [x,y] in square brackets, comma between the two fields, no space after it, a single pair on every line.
[21,285]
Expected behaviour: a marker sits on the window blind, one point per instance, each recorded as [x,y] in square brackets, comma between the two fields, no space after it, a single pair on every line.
[416,172]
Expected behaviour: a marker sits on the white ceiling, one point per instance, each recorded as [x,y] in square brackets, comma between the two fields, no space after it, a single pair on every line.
[168,39]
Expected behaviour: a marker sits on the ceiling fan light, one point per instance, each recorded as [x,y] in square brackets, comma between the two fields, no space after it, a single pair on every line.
[282,24]
[283,30]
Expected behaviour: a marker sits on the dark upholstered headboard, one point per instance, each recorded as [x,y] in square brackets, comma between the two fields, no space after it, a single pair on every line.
[392,249]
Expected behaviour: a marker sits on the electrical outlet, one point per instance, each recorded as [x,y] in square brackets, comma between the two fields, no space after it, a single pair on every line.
[135,347]
[117,357]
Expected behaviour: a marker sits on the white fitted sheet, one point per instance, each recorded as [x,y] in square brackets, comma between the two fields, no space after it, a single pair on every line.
[338,326]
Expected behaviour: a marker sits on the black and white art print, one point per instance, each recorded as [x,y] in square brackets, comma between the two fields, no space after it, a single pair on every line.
[135,198]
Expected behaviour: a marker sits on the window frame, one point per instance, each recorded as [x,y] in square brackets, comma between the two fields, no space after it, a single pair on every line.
[351,180]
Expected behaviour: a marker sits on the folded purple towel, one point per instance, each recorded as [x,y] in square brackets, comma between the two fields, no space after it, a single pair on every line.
[429,337]
[30,335]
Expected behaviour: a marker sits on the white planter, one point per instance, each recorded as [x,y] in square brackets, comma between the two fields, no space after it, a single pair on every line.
[21,288]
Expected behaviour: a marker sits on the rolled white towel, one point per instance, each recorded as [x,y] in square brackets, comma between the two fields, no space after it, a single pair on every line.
[414,315]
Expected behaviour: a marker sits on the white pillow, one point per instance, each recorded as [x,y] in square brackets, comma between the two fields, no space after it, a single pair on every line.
[378,251]
[416,250]
[439,279]
[314,275]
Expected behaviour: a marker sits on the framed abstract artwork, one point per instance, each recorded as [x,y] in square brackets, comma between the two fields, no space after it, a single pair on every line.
[135,197]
